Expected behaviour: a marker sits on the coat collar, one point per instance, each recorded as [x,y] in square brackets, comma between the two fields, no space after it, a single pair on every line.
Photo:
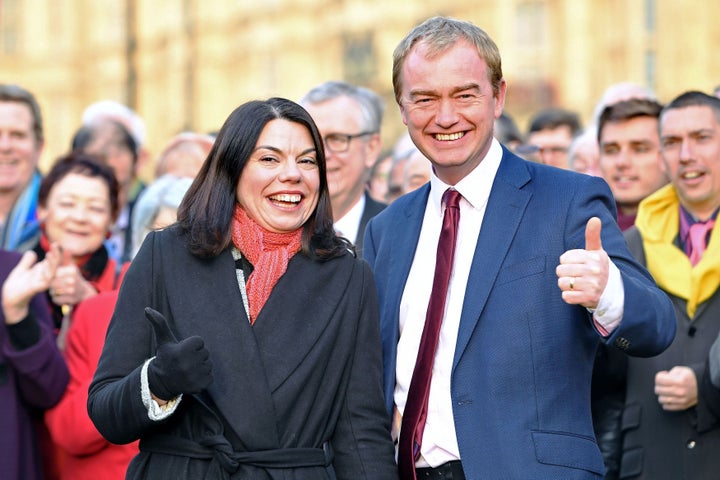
[258,359]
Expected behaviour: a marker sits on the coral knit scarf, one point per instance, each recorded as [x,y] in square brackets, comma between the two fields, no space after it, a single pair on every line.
[267,251]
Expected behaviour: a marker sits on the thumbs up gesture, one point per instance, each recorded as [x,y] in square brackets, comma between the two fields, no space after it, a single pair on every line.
[179,366]
[68,286]
[583,273]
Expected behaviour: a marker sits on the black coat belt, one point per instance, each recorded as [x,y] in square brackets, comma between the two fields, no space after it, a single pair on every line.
[226,461]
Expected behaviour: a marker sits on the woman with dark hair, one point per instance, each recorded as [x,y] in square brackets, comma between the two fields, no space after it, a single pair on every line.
[77,205]
[245,340]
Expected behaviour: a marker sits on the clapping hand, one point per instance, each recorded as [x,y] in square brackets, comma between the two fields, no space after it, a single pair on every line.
[28,278]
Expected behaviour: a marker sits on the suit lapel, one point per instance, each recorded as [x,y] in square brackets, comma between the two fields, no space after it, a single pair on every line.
[505,209]
[411,216]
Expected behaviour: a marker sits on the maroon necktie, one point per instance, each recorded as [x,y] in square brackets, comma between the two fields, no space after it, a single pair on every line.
[413,420]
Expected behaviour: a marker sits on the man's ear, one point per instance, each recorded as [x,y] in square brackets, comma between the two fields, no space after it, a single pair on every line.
[372,150]
[662,165]
[403,114]
[41,213]
[500,98]
[40,145]
[143,157]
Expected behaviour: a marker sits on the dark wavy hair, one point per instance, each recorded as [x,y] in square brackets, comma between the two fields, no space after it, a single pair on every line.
[87,166]
[205,214]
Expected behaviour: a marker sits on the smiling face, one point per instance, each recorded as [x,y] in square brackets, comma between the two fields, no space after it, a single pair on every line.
[279,185]
[630,160]
[552,146]
[448,105]
[346,171]
[690,139]
[111,143]
[19,149]
[585,154]
[77,213]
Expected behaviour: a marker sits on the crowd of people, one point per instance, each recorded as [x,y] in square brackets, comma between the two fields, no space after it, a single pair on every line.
[288,298]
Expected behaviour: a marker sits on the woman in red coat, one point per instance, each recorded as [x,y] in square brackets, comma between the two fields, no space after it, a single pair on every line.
[77,205]
[85,454]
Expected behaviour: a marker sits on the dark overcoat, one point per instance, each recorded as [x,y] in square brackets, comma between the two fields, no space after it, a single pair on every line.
[658,444]
[372,208]
[302,386]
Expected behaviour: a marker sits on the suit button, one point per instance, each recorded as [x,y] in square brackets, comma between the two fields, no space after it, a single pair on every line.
[622,343]
[690,444]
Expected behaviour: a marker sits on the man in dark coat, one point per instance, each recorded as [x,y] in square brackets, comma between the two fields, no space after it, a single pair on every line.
[669,430]
[711,381]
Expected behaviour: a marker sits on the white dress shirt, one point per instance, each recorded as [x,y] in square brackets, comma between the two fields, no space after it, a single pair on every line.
[439,443]
[349,224]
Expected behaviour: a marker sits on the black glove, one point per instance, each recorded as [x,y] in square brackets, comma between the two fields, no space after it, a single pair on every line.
[178,367]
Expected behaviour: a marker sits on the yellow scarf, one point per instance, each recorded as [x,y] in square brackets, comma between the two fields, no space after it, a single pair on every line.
[658,221]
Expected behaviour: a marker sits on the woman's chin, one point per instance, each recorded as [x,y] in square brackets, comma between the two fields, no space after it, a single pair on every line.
[77,251]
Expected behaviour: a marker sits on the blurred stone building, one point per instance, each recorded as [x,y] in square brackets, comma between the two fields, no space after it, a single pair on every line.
[185,64]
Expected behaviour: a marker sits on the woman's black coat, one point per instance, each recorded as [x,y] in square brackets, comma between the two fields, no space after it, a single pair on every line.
[300,386]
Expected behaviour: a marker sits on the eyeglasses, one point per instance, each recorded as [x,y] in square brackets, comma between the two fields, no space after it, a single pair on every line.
[534,150]
[340,142]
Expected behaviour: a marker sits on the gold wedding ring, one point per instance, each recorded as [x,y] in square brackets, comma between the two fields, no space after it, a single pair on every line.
[572,283]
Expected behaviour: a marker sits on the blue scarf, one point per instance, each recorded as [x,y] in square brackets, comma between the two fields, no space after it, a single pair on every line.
[22,228]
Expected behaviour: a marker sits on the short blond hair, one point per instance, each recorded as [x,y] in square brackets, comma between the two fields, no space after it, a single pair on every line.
[441,33]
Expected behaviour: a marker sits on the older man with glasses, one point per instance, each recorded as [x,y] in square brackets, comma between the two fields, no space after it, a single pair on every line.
[349,118]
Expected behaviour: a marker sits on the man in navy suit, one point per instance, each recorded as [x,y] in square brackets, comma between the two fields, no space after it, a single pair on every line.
[541,275]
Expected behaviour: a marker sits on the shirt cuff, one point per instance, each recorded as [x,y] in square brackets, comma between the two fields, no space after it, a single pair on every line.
[156,412]
[608,314]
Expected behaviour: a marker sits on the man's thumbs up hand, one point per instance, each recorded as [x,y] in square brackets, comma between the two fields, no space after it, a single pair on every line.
[179,366]
[583,273]
[592,234]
